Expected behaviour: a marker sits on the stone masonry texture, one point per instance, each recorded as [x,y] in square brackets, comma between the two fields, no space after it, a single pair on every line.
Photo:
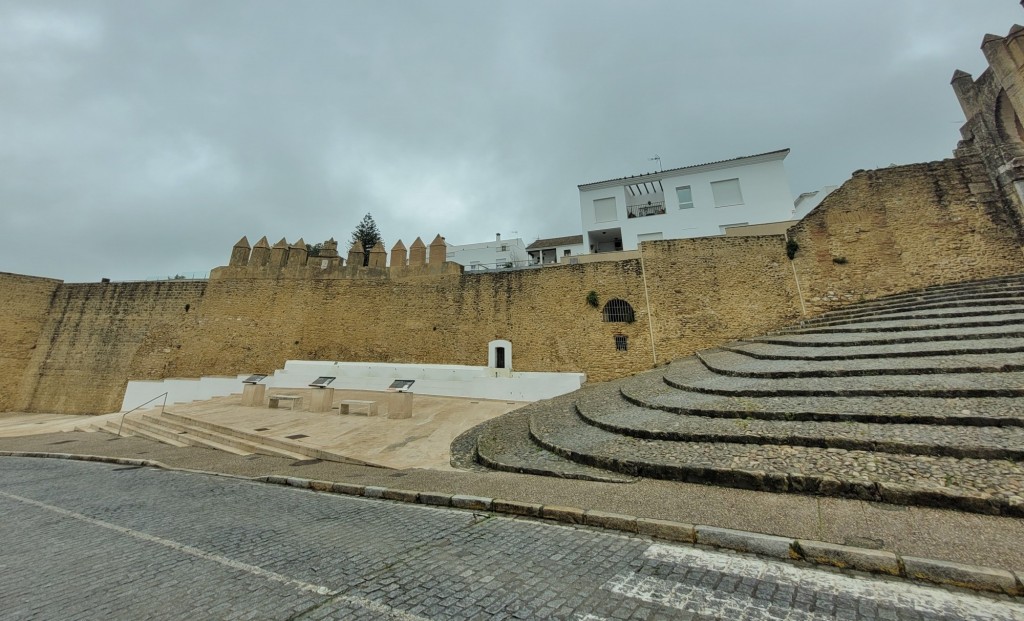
[72,348]
[905,227]
[26,301]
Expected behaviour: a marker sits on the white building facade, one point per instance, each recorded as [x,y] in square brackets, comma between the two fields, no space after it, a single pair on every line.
[806,202]
[693,201]
[493,255]
[556,249]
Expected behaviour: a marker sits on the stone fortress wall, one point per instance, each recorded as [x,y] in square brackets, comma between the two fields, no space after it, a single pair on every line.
[23,312]
[72,347]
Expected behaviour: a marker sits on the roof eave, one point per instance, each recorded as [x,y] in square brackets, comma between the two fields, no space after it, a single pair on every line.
[675,172]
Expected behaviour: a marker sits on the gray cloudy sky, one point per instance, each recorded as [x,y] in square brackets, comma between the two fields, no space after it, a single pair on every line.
[142,139]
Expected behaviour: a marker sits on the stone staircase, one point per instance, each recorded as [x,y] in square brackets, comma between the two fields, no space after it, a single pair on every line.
[915,398]
[180,430]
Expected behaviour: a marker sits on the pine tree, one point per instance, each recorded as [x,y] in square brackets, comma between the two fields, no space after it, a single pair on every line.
[367,234]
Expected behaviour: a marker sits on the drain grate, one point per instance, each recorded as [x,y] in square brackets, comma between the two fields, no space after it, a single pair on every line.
[263,429]
[297,436]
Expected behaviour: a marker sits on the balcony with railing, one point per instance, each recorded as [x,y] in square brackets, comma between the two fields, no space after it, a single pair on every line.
[650,208]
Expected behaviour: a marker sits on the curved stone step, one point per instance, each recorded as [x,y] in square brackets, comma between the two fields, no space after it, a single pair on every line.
[910,325]
[864,309]
[724,362]
[977,485]
[463,451]
[504,443]
[611,412]
[650,391]
[951,290]
[690,374]
[774,351]
[935,314]
[914,299]
[867,337]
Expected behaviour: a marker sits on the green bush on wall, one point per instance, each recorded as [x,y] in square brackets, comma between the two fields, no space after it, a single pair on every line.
[791,248]
[592,299]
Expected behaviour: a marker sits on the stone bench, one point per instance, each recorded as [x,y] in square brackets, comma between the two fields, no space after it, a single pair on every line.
[365,408]
[293,401]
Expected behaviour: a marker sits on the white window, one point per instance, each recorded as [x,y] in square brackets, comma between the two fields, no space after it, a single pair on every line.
[604,210]
[566,252]
[648,237]
[685,197]
[727,193]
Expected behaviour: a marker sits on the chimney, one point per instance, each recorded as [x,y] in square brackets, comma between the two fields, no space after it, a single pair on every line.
[497,236]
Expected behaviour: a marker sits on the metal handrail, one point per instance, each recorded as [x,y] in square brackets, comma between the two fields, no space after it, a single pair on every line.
[162,406]
[650,209]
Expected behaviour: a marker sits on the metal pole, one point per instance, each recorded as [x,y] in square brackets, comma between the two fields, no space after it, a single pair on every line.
[647,299]
[796,279]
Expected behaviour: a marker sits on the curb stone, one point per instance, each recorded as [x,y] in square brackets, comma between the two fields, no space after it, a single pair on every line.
[476,503]
[743,541]
[934,571]
[956,574]
[403,495]
[569,515]
[373,491]
[348,489]
[847,557]
[613,521]
[667,530]
[439,500]
[514,507]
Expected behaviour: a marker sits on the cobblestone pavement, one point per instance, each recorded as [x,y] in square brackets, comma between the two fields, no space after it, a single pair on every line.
[91,541]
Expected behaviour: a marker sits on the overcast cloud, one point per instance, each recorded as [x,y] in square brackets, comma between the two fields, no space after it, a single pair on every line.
[142,139]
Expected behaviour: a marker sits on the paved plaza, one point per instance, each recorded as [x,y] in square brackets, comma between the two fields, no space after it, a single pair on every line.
[98,541]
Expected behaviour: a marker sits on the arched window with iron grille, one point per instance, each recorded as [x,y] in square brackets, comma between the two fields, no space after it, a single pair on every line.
[618,311]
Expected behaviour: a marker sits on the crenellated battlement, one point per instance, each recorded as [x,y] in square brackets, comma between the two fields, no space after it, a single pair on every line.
[993,105]
[284,260]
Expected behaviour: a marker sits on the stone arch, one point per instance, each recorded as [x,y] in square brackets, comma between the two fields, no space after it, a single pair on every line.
[499,354]
[1007,121]
[618,311]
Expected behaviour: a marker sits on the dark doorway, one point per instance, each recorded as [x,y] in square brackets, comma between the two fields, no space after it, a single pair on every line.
[499,357]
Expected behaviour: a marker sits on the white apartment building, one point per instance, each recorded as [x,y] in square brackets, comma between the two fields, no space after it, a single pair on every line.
[555,249]
[693,201]
[493,255]
[807,201]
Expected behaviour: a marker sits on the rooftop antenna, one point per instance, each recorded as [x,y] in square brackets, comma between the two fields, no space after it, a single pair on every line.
[658,157]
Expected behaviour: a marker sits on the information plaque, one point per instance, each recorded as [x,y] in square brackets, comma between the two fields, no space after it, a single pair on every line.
[400,385]
[322,381]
